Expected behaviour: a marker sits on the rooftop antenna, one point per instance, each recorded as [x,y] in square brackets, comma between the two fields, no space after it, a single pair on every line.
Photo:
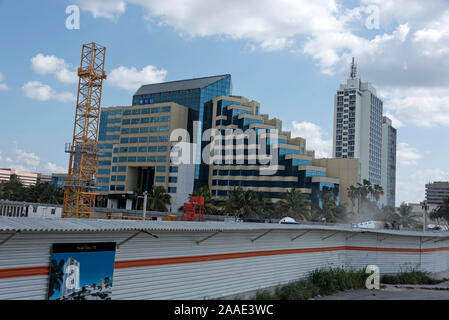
[353,69]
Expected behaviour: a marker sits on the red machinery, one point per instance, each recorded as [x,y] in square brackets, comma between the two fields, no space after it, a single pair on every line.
[194,210]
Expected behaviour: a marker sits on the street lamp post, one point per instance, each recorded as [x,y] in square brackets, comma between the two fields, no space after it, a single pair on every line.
[425,208]
[145,194]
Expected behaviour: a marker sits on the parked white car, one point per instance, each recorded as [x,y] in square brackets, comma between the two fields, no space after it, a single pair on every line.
[288,220]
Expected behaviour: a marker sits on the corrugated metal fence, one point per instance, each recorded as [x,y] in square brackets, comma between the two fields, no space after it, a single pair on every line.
[194,260]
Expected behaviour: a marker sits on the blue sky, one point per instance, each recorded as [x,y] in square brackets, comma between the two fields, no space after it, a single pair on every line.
[290,56]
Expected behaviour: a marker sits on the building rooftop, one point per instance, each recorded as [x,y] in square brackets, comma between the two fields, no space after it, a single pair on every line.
[179,85]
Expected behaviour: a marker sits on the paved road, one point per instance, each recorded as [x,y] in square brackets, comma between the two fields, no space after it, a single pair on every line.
[403,292]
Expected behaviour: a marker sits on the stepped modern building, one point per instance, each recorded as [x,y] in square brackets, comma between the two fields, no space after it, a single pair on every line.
[254,153]
[138,146]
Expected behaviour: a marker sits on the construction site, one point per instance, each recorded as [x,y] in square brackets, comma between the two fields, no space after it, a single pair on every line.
[46,250]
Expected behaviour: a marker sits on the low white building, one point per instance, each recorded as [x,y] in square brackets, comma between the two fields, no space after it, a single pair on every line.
[28,209]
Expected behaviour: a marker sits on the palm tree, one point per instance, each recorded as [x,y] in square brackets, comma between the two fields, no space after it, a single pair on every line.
[353,195]
[365,190]
[377,191]
[241,202]
[158,199]
[441,214]
[330,210]
[264,204]
[296,205]
[404,216]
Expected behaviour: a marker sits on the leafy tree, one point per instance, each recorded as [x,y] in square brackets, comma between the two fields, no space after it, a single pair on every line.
[404,216]
[241,202]
[377,192]
[441,214]
[353,195]
[158,199]
[296,205]
[13,190]
[330,210]
[264,204]
[365,189]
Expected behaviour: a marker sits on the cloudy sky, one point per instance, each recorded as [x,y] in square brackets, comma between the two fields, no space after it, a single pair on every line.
[290,55]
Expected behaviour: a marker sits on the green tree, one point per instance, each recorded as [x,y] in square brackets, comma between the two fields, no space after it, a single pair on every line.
[441,214]
[13,189]
[296,205]
[354,195]
[158,199]
[264,205]
[365,189]
[241,202]
[330,209]
[404,216]
[377,191]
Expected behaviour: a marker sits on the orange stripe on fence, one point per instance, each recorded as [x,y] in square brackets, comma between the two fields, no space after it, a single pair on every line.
[44,270]
[215,257]
[24,272]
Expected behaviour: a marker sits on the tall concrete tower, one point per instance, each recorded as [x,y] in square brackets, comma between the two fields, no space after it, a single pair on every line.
[358,126]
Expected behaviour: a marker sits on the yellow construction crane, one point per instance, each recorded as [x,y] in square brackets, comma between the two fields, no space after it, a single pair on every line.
[80,187]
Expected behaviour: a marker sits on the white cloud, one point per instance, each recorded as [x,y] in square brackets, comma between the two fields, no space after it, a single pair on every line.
[51,64]
[28,161]
[21,160]
[422,107]
[110,9]
[54,168]
[38,91]
[3,86]
[407,155]
[411,188]
[410,48]
[132,79]
[315,139]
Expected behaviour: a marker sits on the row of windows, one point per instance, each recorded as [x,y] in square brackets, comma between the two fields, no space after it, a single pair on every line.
[146,110]
[119,169]
[150,139]
[144,149]
[145,129]
[146,120]
[248,183]
[140,159]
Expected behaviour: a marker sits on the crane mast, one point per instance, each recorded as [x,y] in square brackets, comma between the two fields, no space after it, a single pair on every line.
[80,186]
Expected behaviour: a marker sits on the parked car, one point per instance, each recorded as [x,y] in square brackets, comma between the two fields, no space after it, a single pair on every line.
[288,220]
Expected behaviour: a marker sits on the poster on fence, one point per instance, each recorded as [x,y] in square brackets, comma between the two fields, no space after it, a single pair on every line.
[81,271]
